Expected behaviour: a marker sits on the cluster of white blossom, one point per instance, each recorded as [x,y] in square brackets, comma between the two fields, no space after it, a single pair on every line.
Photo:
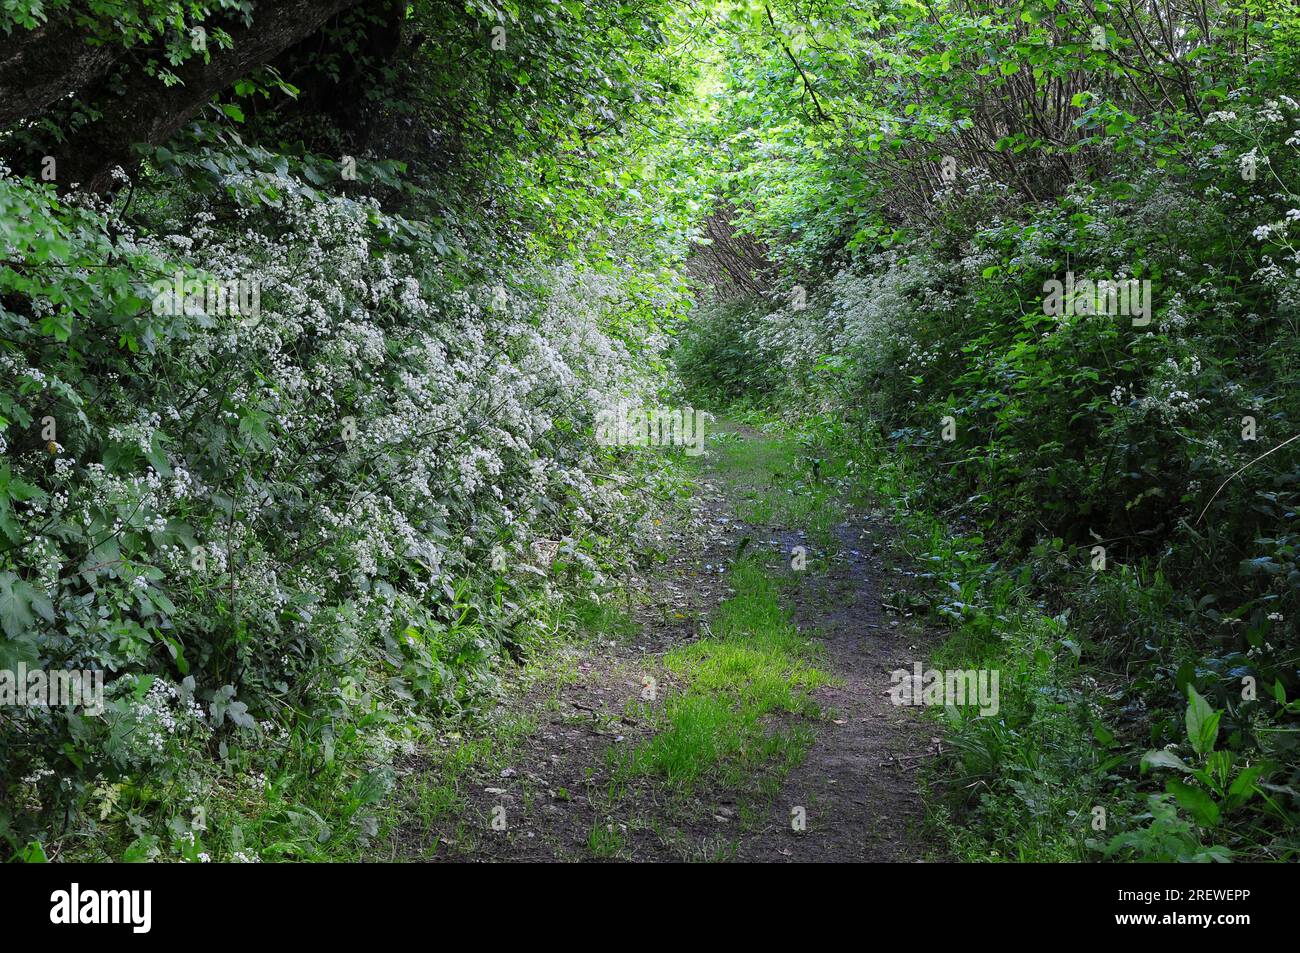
[866,317]
[1171,391]
[325,472]
[164,717]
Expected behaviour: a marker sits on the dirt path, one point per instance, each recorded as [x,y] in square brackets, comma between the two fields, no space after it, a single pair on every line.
[548,785]
[858,781]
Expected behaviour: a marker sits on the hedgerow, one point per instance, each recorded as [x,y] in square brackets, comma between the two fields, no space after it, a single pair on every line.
[1129,474]
[296,511]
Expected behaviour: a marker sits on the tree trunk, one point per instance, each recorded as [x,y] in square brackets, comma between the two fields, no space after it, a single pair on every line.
[137,108]
[38,67]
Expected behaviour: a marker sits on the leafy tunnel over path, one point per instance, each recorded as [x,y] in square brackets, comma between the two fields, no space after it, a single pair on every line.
[311,314]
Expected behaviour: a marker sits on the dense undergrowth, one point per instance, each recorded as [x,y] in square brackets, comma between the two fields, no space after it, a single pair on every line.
[1102,485]
[296,423]
[279,532]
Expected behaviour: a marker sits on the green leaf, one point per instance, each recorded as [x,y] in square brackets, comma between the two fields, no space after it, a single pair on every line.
[1196,802]
[177,653]
[1163,759]
[33,853]
[1243,786]
[1202,723]
[20,603]
[142,850]
[157,456]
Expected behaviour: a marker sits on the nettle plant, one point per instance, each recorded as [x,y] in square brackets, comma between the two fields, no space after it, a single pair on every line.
[250,518]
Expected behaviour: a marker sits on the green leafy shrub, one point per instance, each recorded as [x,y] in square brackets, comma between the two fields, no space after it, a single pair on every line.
[287,522]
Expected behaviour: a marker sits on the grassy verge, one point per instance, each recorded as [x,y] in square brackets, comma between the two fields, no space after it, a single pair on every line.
[752,665]
[435,779]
